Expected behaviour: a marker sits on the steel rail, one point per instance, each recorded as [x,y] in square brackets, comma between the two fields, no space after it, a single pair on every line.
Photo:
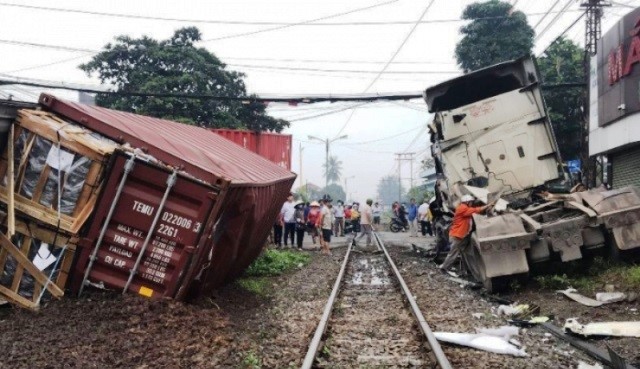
[442,360]
[324,321]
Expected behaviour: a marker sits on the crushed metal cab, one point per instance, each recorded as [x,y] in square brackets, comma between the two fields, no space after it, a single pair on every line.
[491,136]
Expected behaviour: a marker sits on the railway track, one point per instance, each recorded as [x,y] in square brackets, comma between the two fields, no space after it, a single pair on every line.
[371,319]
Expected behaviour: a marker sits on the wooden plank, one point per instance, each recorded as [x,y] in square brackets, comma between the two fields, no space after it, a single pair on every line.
[17,276]
[38,211]
[28,266]
[24,160]
[17,299]
[75,138]
[84,215]
[42,181]
[65,267]
[89,188]
[11,210]
[588,348]
[46,235]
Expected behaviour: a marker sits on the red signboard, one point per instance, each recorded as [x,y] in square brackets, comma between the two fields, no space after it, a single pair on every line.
[618,70]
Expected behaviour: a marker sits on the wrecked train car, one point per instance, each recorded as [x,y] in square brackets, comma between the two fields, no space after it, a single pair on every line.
[273,146]
[138,204]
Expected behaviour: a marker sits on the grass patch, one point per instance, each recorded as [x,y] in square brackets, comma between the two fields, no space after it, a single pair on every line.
[251,361]
[594,276]
[258,286]
[276,262]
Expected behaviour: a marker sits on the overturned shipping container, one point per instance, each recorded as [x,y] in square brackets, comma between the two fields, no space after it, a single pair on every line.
[158,208]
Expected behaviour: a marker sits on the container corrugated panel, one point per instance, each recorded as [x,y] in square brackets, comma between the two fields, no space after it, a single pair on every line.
[237,227]
[174,239]
[205,156]
[275,147]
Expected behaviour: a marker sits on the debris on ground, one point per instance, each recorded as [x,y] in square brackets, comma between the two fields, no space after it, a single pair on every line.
[617,329]
[584,365]
[609,297]
[496,340]
[573,294]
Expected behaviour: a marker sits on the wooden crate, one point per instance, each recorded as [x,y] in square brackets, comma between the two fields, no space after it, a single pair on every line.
[32,125]
[31,234]
[28,221]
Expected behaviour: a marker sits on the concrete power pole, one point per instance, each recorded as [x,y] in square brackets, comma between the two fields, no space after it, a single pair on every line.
[593,32]
[300,158]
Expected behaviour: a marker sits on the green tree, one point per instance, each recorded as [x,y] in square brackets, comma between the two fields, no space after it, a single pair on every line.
[173,66]
[332,169]
[562,63]
[419,193]
[335,191]
[388,190]
[495,34]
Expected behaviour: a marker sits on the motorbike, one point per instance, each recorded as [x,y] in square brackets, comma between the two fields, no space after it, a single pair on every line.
[398,225]
[352,226]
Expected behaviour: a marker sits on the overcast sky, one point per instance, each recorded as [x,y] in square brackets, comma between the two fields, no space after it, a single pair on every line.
[293,59]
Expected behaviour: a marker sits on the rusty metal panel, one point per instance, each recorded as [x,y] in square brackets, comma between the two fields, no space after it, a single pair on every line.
[206,156]
[174,239]
[247,218]
[275,147]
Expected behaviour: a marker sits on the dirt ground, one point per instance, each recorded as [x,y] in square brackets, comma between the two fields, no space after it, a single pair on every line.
[434,291]
[233,329]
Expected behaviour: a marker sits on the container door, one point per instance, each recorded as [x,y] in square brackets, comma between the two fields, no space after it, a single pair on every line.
[173,238]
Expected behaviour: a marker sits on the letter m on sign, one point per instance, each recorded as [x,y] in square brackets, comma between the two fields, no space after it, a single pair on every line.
[615,65]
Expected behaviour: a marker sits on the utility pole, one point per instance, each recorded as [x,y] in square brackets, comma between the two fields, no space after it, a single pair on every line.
[346,190]
[593,32]
[400,157]
[300,172]
[327,142]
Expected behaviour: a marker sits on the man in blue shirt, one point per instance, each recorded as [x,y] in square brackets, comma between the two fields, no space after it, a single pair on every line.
[412,214]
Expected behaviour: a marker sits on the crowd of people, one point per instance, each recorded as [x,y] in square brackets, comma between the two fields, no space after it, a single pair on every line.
[322,220]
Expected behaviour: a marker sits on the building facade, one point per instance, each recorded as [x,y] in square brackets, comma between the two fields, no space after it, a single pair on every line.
[614,122]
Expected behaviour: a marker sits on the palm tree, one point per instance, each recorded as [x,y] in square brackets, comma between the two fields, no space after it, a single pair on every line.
[332,169]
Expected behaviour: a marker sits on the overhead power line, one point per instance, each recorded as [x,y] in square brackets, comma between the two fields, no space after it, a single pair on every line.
[384,68]
[277,28]
[275,98]
[248,23]
[336,61]
[379,73]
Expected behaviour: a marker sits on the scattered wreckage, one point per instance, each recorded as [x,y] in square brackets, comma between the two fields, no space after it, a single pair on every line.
[115,200]
[492,138]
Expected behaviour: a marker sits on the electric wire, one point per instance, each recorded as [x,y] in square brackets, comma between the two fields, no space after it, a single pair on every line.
[553,20]
[395,54]
[277,28]
[242,23]
[379,73]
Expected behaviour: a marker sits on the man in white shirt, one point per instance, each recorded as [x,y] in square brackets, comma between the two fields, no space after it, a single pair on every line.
[366,220]
[423,218]
[288,212]
[326,224]
[338,214]
[376,209]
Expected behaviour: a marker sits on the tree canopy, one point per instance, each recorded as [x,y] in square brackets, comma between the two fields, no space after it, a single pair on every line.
[495,34]
[562,63]
[176,65]
[332,169]
[335,191]
[388,189]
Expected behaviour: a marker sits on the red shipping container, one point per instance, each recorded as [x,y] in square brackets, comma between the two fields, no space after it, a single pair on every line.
[274,146]
[234,195]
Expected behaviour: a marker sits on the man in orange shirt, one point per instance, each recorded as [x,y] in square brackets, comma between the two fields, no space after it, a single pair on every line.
[460,228]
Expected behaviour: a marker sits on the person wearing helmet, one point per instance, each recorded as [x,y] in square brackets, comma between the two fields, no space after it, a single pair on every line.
[460,228]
